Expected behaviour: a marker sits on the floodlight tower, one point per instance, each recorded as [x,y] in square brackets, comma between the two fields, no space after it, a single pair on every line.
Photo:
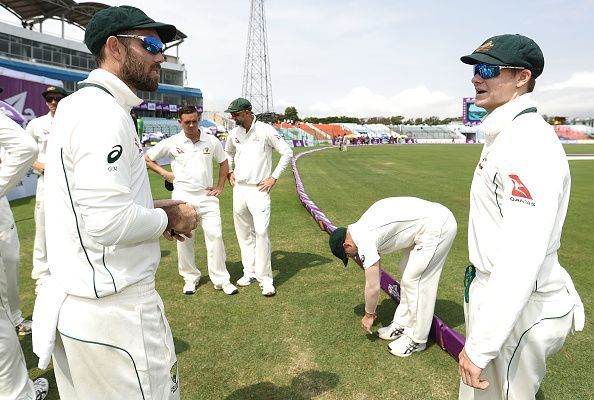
[257,85]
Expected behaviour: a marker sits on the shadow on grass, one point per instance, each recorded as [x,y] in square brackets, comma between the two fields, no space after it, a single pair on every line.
[450,312]
[304,386]
[287,263]
[180,345]
[165,253]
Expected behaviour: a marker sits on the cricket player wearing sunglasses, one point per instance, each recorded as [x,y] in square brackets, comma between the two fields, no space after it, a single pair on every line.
[520,303]
[39,129]
[113,340]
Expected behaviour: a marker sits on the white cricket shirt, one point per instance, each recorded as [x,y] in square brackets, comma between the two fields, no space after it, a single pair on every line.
[39,129]
[17,153]
[191,163]
[251,153]
[395,223]
[102,230]
[518,202]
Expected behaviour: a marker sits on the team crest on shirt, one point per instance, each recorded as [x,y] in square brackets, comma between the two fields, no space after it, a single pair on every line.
[206,150]
[520,192]
[46,132]
[481,163]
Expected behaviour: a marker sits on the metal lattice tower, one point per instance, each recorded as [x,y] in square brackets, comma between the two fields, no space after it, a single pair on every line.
[257,85]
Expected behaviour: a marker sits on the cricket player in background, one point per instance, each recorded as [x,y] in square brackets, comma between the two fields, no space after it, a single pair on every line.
[519,302]
[425,232]
[114,341]
[249,148]
[39,129]
[192,152]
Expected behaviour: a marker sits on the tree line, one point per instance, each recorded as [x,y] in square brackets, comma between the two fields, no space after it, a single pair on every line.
[291,114]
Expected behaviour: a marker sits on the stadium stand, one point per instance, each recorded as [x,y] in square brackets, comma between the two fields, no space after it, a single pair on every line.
[332,130]
[427,132]
[574,132]
[27,46]
[318,134]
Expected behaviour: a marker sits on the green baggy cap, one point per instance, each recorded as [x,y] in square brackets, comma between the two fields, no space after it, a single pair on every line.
[239,104]
[336,241]
[510,51]
[113,20]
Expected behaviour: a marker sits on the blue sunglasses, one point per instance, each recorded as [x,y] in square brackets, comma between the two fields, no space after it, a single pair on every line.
[150,43]
[487,71]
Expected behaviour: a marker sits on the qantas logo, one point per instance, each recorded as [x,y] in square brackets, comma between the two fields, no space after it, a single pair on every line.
[179,151]
[520,192]
[519,189]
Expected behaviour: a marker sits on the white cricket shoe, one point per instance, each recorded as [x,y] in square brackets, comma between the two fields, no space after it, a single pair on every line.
[40,386]
[390,332]
[227,288]
[268,289]
[189,288]
[246,280]
[405,346]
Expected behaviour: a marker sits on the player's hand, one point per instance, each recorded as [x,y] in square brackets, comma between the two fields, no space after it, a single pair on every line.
[39,167]
[367,322]
[181,217]
[216,191]
[173,235]
[470,373]
[169,176]
[266,184]
[232,178]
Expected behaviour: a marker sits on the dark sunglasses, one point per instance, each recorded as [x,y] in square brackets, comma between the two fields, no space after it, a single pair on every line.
[51,99]
[487,71]
[150,43]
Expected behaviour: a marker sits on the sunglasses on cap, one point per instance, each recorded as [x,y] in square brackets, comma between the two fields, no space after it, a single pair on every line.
[51,99]
[487,71]
[150,43]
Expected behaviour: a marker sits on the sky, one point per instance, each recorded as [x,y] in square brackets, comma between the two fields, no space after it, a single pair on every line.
[379,57]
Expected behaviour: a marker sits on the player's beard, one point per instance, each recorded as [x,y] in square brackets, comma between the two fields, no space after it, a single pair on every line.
[134,73]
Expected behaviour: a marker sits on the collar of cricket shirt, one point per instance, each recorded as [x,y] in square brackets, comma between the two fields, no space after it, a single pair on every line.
[119,90]
[503,115]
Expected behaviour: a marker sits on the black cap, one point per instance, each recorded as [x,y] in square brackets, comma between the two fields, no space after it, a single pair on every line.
[336,241]
[54,90]
[510,51]
[113,20]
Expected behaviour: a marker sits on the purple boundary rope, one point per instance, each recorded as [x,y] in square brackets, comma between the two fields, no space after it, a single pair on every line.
[447,338]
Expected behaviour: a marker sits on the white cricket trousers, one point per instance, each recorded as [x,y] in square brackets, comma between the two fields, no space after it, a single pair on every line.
[116,347]
[10,254]
[14,379]
[517,372]
[209,215]
[251,215]
[40,265]
[421,268]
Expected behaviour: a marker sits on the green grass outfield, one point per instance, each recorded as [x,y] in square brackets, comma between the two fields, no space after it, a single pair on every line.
[306,342]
